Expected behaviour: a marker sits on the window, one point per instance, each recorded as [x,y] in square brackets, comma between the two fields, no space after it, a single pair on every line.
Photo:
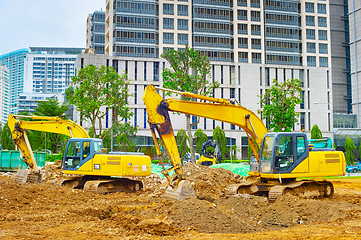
[311,47]
[256,43]
[168,38]
[242,28]
[242,3]
[310,34]
[168,23]
[302,104]
[182,38]
[311,61]
[321,8]
[323,62]
[156,71]
[322,35]
[242,15]
[243,57]
[267,76]
[256,29]
[310,21]
[182,24]
[256,58]
[309,7]
[255,3]
[323,48]
[243,42]
[232,94]
[255,16]
[168,9]
[183,10]
[322,22]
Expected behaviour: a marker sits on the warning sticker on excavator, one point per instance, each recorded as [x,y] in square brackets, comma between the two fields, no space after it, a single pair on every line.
[144,168]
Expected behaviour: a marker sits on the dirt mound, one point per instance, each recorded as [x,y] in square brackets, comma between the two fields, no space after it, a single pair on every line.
[209,183]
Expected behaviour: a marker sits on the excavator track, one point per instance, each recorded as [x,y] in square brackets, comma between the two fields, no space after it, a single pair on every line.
[101,185]
[306,189]
[111,186]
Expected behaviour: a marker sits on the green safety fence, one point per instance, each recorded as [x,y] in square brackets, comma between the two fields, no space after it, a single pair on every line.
[12,160]
[241,169]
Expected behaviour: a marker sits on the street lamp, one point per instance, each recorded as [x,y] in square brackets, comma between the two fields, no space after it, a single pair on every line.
[331,122]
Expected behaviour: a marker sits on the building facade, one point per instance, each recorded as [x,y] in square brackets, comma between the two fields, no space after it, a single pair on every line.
[95,32]
[15,62]
[249,43]
[28,102]
[4,94]
[354,17]
[49,69]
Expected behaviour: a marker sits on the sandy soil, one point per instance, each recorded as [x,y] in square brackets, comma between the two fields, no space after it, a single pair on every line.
[47,211]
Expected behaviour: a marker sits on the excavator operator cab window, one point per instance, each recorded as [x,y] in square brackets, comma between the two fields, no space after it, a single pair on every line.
[284,154]
[86,149]
[98,145]
[266,155]
[73,154]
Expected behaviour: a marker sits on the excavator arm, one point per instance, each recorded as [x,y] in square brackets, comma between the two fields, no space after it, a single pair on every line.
[46,124]
[213,108]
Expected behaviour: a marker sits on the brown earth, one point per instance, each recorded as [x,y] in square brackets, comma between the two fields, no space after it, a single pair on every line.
[47,211]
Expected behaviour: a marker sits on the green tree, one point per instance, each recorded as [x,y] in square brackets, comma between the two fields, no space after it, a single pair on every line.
[6,139]
[125,134]
[1,129]
[182,139]
[200,138]
[278,105]
[51,107]
[349,147]
[316,132]
[94,88]
[220,137]
[188,72]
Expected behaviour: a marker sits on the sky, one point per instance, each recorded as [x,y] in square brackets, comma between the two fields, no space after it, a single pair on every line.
[44,23]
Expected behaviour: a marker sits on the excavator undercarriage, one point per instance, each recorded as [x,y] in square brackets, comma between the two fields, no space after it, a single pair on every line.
[273,189]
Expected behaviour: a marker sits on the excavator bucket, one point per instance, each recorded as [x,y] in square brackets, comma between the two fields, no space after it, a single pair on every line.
[183,191]
[27,176]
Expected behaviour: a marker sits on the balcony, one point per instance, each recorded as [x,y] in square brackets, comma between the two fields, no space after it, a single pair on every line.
[277,49]
[135,40]
[215,3]
[243,32]
[243,46]
[210,30]
[212,45]
[243,60]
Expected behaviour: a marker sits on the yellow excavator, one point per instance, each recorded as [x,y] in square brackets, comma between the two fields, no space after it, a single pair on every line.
[84,157]
[281,157]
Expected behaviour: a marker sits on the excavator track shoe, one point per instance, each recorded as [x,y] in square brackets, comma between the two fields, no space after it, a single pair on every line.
[184,190]
[27,176]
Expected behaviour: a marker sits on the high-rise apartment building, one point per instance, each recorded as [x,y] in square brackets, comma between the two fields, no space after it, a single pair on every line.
[15,61]
[49,69]
[4,94]
[96,32]
[354,17]
[249,43]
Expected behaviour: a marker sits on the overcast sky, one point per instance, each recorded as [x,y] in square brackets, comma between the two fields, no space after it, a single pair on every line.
[44,23]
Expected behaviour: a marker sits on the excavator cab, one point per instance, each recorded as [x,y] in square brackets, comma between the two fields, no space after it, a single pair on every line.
[79,151]
[282,152]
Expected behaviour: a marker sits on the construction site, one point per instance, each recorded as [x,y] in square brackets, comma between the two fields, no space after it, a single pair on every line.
[48,211]
[289,190]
